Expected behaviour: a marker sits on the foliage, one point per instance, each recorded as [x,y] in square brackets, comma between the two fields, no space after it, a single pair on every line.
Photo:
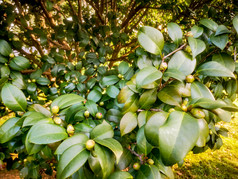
[90,103]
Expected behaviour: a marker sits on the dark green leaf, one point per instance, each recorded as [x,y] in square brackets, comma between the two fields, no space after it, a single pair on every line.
[32,118]
[9,129]
[222,30]
[123,67]
[143,146]
[148,172]
[170,95]
[174,73]
[208,103]
[120,175]
[148,98]
[224,59]
[5,48]
[110,80]
[151,40]
[19,63]
[13,98]
[112,91]
[175,32]
[102,131]
[220,41]
[209,24]
[197,46]
[235,23]
[92,107]
[94,95]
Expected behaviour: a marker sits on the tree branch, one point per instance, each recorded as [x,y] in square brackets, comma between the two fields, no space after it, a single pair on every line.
[48,16]
[31,71]
[136,154]
[180,48]
[96,10]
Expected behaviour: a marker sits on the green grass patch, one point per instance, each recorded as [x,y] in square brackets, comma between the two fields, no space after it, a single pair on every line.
[222,163]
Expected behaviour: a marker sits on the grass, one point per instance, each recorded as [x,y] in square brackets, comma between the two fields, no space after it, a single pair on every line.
[220,164]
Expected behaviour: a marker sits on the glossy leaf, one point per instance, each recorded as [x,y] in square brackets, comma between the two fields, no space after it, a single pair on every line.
[123,67]
[102,131]
[110,80]
[143,146]
[128,123]
[75,139]
[32,118]
[42,135]
[197,46]
[121,175]
[148,172]
[112,91]
[9,129]
[72,160]
[155,121]
[147,99]
[197,31]
[41,109]
[13,98]
[222,30]
[113,145]
[182,62]
[213,68]
[222,114]
[147,75]
[151,40]
[224,59]
[142,118]
[174,73]
[220,41]
[124,94]
[94,95]
[235,23]
[19,63]
[131,105]
[209,24]
[208,103]
[92,107]
[5,48]
[170,95]
[199,90]
[203,133]
[180,129]
[67,100]
[175,32]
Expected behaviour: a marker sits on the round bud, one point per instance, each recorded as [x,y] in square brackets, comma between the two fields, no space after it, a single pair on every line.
[90,144]
[55,109]
[171,110]
[120,76]
[33,80]
[65,71]
[163,66]
[136,166]
[86,113]
[101,103]
[184,108]
[95,66]
[189,34]
[190,78]
[150,161]
[29,81]
[11,55]
[20,113]
[99,115]
[198,113]
[70,129]
[57,120]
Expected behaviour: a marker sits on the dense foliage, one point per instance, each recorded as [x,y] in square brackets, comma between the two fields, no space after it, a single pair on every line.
[89,101]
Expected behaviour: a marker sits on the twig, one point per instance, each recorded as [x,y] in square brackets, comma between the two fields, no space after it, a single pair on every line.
[156,110]
[31,71]
[136,154]
[180,48]
[207,56]
[235,54]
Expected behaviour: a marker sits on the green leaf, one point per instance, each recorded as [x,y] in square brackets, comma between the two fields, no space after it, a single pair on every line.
[75,139]
[222,30]
[197,46]
[112,91]
[174,73]
[123,67]
[92,107]
[131,104]
[17,79]
[3,59]
[142,118]
[72,160]
[197,31]
[224,59]
[155,121]
[223,115]
[102,131]
[207,103]
[151,40]
[128,123]
[70,115]
[113,145]
[120,175]
[125,159]
[41,109]
[113,115]
[42,135]
[180,129]
[19,63]
[175,32]
[144,61]
[124,94]
[147,75]
[210,24]
[31,88]
[203,133]
[9,129]
[170,95]
[36,74]
[143,146]
[220,41]
[67,100]
[94,95]
[32,118]
[5,71]
[43,81]
[148,172]
[213,68]
[109,80]
[199,90]
[148,98]
[182,62]
[235,23]
[5,48]
[13,98]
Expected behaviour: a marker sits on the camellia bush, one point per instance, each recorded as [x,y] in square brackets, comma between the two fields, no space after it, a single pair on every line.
[90,118]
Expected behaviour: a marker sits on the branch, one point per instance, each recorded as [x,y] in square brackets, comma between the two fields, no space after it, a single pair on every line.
[31,71]
[180,48]
[96,10]
[80,16]
[136,154]
[71,7]
[208,55]
[29,56]
[48,16]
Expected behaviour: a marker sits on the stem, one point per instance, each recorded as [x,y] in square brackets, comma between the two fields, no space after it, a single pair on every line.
[156,110]
[235,54]
[136,154]
[180,48]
